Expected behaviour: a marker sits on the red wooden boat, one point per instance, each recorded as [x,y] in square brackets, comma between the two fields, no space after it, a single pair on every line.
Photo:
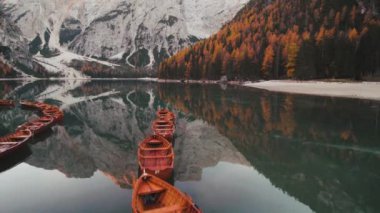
[34,127]
[41,106]
[39,125]
[51,114]
[7,103]
[170,116]
[47,110]
[27,104]
[36,105]
[14,141]
[47,120]
[156,156]
[56,113]
[153,195]
[166,115]
[164,128]
[162,112]
[163,124]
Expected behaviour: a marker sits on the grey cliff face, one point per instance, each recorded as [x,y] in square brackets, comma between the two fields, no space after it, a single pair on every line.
[137,33]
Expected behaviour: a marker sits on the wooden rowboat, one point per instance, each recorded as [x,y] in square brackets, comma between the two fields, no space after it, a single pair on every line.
[49,112]
[163,112]
[35,105]
[163,124]
[57,114]
[45,109]
[43,106]
[7,103]
[27,104]
[39,125]
[156,156]
[47,120]
[153,195]
[170,116]
[34,127]
[13,142]
[166,115]
[166,133]
[164,128]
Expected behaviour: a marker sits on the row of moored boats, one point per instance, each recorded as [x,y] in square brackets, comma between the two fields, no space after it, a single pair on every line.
[152,193]
[50,115]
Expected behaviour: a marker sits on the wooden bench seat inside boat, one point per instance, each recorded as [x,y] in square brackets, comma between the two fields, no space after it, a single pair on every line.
[164,125]
[173,208]
[155,141]
[157,157]
[154,149]
[164,128]
[150,188]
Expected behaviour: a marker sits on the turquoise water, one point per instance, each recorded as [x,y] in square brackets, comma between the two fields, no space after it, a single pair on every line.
[237,149]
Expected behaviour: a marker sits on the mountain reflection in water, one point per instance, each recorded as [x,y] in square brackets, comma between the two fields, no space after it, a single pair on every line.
[236,148]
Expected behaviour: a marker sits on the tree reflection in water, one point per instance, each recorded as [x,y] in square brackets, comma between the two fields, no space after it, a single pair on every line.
[322,151]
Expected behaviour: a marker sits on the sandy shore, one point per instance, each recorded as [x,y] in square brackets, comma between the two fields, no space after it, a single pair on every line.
[362,90]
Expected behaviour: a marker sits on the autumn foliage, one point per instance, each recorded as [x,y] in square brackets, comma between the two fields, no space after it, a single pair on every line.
[286,39]
[5,69]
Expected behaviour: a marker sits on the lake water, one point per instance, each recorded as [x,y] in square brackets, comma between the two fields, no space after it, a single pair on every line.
[237,149]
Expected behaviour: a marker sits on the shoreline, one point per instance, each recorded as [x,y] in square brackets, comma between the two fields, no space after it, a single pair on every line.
[80,79]
[358,90]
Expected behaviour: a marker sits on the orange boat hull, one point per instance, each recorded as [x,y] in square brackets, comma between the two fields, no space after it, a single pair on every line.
[165,114]
[5,152]
[156,157]
[164,128]
[167,135]
[36,128]
[45,109]
[151,194]
[14,142]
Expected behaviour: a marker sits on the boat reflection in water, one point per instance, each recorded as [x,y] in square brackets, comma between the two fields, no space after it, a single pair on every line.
[17,157]
[260,151]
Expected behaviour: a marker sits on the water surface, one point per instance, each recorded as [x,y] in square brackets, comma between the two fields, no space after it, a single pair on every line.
[237,149]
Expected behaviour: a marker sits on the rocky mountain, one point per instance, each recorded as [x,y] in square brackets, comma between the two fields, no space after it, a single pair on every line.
[15,59]
[138,33]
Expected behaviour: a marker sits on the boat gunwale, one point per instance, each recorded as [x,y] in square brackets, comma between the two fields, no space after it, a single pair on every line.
[171,155]
[155,149]
[188,202]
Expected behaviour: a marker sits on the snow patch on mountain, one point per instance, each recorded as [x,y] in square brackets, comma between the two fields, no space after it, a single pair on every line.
[60,63]
[139,33]
[206,17]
